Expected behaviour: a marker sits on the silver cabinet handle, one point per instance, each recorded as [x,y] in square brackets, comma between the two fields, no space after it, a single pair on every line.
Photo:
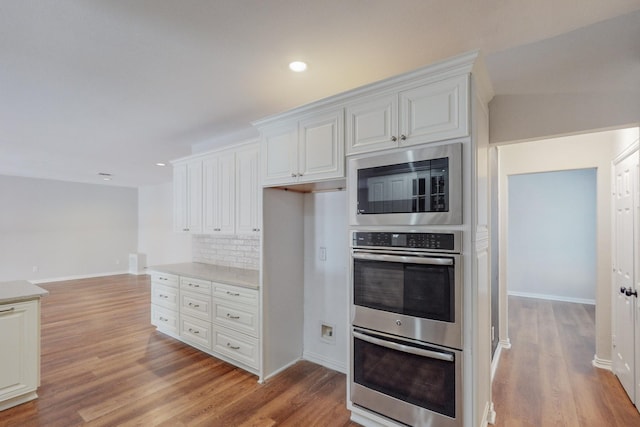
[402,258]
[162,319]
[8,310]
[194,305]
[163,296]
[232,317]
[293,175]
[233,294]
[394,139]
[193,285]
[405,348]
[194,331]
[403,137]
[233,347]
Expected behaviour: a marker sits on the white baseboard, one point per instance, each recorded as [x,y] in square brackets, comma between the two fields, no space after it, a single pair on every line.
[81,276]
[601,363]
[553,297]
[496,360]
[277,371]
[324,361]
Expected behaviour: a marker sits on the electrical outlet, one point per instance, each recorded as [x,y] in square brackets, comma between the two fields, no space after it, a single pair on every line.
[34,269]
[323,253]
[326,333]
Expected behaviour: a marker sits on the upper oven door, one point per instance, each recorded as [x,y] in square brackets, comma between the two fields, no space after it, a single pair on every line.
[410,187]
[416,296]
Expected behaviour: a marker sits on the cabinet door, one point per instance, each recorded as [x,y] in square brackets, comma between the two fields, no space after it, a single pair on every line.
[321,148]
[187,194]
[20,349]
[248,201]
[372,124]
[434,112]
[219,194]
[280,154]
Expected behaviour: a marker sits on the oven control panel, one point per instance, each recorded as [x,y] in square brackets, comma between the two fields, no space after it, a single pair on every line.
[425,241]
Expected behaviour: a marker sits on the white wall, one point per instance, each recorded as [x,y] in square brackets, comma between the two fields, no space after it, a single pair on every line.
[326,282]
[65,229]
[156,238]
[552,235]
[575,152]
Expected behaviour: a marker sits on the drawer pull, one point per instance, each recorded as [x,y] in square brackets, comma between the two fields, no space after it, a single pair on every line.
[163,278]
[194,331]
[194,305]
[233,294]
[233,347]
[163,296]
[9,310]
[162,319]
[232,317]
[194,285]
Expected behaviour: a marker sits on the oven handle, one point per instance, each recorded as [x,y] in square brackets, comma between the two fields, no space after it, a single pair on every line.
[404,348]
[405,257]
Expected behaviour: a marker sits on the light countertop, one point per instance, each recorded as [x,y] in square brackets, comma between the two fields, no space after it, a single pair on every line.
[215,273]
[20,290]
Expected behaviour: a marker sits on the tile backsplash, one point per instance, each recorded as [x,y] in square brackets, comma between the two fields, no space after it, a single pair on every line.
[229,251]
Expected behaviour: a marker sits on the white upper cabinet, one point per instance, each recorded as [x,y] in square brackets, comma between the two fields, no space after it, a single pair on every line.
[280,153]
[305,150]
[321,147]
[248,216]
[372,124]
[430,112]
[187,194]
[219,194]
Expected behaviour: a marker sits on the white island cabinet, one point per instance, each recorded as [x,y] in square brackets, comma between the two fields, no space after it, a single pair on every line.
[20,338]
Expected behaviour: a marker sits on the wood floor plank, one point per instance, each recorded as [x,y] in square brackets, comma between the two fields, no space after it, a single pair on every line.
[103,364]
[547,379]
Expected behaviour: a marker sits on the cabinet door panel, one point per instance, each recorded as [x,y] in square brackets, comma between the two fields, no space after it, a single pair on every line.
[322,147]
[372,124]
[218,194]
[435,111]
[280,154]
[19,351]
[236,346]
[247,192]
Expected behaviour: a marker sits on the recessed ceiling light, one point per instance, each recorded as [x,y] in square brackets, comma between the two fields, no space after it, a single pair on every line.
[161,164]
[298,66]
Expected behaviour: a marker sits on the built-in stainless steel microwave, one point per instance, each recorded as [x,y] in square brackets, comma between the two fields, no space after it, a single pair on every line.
[421,186]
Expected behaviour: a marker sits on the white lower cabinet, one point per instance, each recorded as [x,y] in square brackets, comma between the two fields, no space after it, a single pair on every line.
[220,319]
[19,352]
[236,346]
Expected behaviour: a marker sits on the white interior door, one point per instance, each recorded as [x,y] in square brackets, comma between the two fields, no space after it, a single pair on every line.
[623,269]
[636,234]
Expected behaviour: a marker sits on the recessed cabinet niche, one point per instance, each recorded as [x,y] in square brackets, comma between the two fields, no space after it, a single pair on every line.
[217,193]
[303,150]
[431,112]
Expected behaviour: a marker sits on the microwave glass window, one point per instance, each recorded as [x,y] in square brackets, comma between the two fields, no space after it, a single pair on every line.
[420,186]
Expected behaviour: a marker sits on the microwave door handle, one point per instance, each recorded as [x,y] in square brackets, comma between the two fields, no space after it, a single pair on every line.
[405,348]
[402,259]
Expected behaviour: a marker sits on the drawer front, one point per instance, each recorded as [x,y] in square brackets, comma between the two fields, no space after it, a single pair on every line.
[165,279]
[195,285]
[236,346]
[164,296]
[164,319]
[195,331]
[235,294]
[196,305]
[239,318]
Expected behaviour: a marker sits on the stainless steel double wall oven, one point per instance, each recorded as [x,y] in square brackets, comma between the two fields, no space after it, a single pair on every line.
[407,314]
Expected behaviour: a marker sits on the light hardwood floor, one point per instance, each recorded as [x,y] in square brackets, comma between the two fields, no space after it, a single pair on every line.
[546,378]
[103,364]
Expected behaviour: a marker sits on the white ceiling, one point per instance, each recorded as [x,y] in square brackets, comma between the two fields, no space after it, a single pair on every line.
[116,86]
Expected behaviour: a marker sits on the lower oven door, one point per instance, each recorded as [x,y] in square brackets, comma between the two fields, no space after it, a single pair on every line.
[415,383]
